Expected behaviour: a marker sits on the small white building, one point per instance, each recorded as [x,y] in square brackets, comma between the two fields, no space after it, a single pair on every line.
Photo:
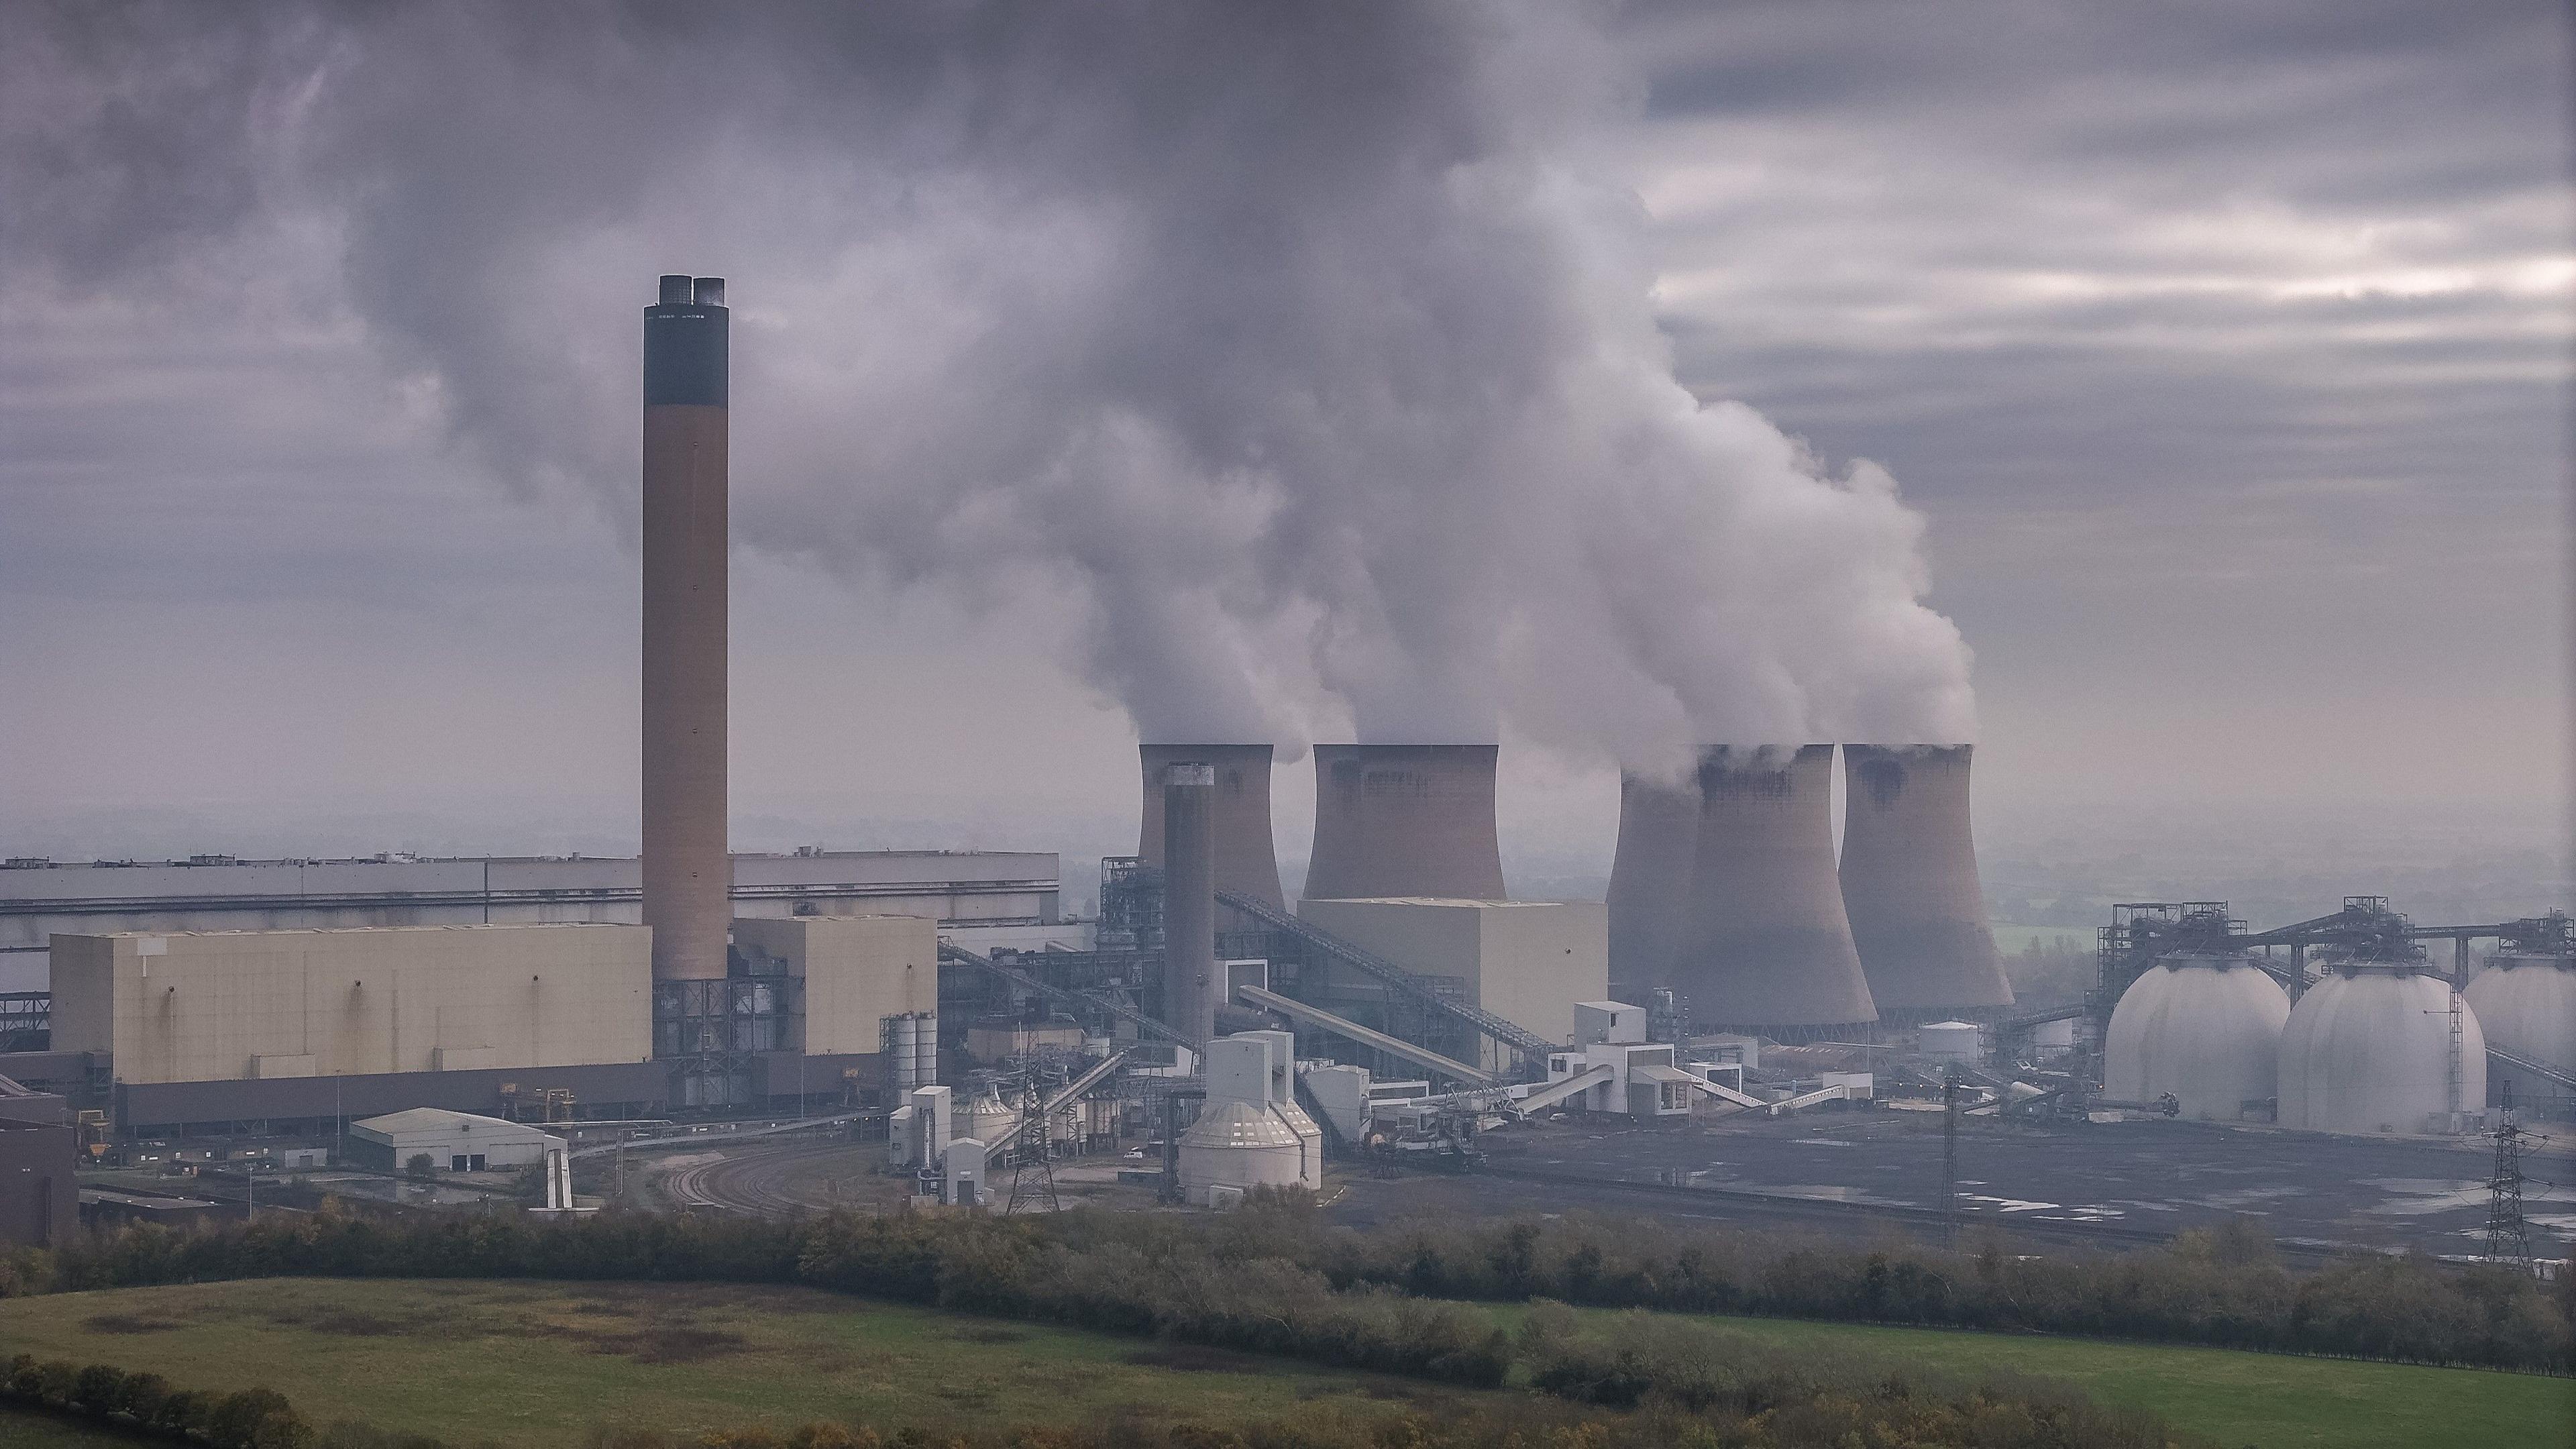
[453,1141]
[1622,1072]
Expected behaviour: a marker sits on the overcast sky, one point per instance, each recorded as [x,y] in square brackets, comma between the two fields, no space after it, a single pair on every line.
[2222,349]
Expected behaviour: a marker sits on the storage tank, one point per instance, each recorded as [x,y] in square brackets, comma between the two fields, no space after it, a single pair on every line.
[1951,1041]
[988,1116]
[2370,1048]
[1238,1145]
[2527,1004]
[2203,1029]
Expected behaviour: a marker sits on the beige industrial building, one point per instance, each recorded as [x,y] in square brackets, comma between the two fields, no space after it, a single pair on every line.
[201,1006]
[1528,962]
[859,972]
[42,899]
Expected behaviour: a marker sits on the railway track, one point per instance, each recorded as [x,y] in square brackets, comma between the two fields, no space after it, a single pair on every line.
[754,1184]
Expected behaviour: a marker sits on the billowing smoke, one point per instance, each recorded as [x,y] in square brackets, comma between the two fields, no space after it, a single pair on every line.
[1306,353]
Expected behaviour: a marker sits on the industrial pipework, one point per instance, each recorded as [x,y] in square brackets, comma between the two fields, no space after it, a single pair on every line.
[1405,820]
[1909,882]
[687,874]
[1768,945]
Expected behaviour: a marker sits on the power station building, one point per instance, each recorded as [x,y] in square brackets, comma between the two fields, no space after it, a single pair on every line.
[208,1029]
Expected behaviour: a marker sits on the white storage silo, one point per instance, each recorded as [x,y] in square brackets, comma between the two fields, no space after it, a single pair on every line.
[1952,1041]
[1239,1145]
[2205,1030]
[2527,1005]
[2370,1048]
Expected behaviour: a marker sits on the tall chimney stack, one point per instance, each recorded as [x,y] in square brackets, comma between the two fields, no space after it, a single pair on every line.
[1405,820]
[1909,874]
[1247,862]
[1768,944]
[1189,900]
[1650,878]
[688,874]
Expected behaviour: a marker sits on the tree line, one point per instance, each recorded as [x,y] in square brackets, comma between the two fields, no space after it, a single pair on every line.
[1364,1297]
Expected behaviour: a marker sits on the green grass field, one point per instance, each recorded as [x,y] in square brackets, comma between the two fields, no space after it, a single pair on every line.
[539,1363]
[2274,1401]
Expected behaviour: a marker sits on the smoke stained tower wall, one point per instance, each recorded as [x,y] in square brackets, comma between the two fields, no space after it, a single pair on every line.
[1650,878]
[687,873]
[1768,944]
[1189,900]
[1405,820]
[1909,874]
[1247,858]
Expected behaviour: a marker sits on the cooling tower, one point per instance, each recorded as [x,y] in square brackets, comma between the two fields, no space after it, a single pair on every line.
[1767,944]
[1405,820]
[1189,901]
[688,877]
[1909,873]
[1247,863]
[1650,878]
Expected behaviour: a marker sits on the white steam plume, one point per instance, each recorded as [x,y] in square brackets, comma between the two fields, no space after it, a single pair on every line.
[1307,349]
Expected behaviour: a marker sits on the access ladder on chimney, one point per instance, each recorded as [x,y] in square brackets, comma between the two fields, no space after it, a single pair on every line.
[1369,963]
[1145,1025]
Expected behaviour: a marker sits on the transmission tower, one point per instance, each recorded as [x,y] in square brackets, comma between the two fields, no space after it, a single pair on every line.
[2508,1236]
[1032,1146]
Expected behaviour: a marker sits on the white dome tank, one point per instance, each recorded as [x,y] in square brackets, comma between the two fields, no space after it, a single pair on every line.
[2368,1049]
[988,1116]
[1239,1145]
[2204,1029]
[2527,1004]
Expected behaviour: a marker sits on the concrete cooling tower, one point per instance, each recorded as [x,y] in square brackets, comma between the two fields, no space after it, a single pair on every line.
[2527,1004]
[2205,1030]
[1247,863]
[687,874]
[1650,879]
[1189,900]
[1405,820]
[1767,944]
[1909,882]
[2370,1049]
